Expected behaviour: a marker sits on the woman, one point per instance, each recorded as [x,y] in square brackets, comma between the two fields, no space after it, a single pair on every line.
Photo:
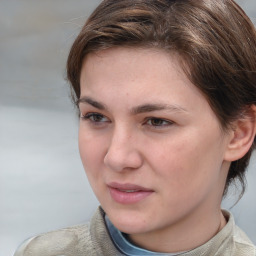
[166,92]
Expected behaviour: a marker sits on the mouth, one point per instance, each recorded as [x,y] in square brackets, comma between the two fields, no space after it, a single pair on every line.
[128,193]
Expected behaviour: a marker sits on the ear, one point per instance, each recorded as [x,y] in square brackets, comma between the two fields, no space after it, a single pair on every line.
[242,136]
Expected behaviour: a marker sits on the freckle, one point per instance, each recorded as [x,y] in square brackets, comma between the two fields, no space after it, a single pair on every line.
[163,157]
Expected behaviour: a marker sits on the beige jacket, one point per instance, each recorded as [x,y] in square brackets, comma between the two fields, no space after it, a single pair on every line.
[92,239]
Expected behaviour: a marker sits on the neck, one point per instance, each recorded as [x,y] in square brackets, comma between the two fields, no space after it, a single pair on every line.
[183,236]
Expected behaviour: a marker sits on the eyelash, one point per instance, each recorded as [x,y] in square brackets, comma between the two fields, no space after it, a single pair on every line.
[91,117]
[148,121]
[157,126]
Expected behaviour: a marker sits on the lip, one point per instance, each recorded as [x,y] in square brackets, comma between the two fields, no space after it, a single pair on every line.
[128,193]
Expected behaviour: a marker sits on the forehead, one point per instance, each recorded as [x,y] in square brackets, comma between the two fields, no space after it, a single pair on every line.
[146,69]
[131,64]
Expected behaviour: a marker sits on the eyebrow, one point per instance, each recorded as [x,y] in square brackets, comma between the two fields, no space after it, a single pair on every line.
[148,107]
[156,107]
[91,102]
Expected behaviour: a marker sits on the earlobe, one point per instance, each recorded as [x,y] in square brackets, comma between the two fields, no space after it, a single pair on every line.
[242,136]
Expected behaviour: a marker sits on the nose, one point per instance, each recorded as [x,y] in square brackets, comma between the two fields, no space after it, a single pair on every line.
[122,153]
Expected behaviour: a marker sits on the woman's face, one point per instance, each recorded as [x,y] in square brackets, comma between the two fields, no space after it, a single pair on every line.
[151,146]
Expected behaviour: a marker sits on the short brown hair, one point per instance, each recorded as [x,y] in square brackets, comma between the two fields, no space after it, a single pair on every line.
[215,40]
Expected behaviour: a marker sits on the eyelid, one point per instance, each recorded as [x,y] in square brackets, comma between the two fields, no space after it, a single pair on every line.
[166,121]
[88,115]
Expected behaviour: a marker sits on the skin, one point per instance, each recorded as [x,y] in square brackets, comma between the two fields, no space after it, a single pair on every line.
[175,147]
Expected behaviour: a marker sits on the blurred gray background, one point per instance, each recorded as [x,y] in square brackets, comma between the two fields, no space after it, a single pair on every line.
[42,182]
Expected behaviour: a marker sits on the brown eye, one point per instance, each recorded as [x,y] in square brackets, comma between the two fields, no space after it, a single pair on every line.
[95,118]
[158,122]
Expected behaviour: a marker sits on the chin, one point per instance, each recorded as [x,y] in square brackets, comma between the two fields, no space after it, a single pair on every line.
[128,222]
[130,229]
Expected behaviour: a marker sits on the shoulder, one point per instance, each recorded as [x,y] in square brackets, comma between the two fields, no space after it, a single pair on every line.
[239,244]
[90,239]
[68,241]
[242,243]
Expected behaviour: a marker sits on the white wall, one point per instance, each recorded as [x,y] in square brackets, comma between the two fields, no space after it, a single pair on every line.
[42,182]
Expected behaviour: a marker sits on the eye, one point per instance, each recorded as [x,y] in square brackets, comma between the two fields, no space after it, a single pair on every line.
[158,122]
[95,118]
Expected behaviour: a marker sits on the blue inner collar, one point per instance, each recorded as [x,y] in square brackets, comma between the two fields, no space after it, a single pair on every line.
[125,246]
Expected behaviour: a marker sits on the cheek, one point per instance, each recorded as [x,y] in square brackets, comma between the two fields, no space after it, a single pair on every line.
[186,163]
[91,150]
[171,156]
